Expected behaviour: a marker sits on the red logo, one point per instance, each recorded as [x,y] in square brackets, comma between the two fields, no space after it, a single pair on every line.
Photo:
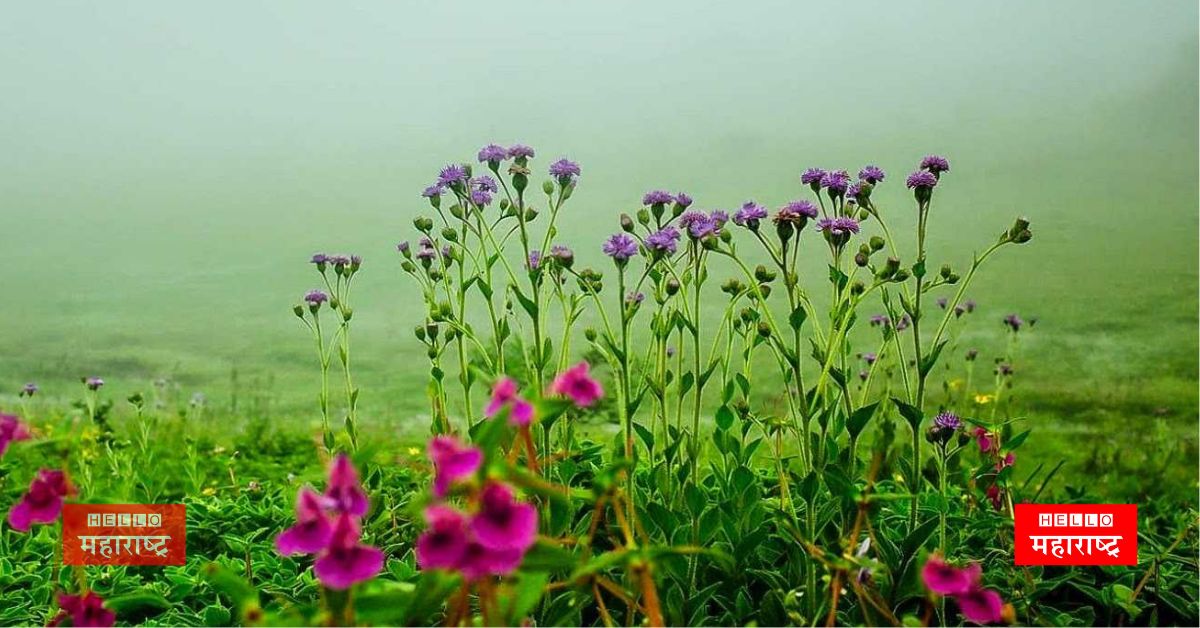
[124,534]
[1075,534]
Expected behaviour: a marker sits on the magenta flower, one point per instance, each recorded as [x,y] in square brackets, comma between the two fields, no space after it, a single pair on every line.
[503,523]
[480,562]
[944,579]
[11,430]
[444,543]
[871,174]
[83,610]
[43,502]
[1006,461]
[996,496]
[343,491]
[504,394]
[312,530]
[346,561]
[452,462]
[577,384]
[982,606]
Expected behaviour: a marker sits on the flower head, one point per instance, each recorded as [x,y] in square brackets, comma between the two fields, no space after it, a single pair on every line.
[504,395]
[838,229]
[312,530]
[944,579]
[503,523]
[683,200]
[698,225]
[29,389]
[444,543]
[982,606]
[432,191]
[836,181]
[315,298]
[520,151]
[996,495]
[657,197]
[869,358]
[43,502]
[343,490]
[812,177]
[620,247]
[564,170]
[664,241]
[985,440]
[452,462]
[948,421]
[11,430]
[749,215]
[481,198]
[578,385]
[535,259]
[485,183]
[1013,322]
[319,259]
[796,213]
[921,180]
[83,610]
[452,175]
[935,165]
[492,153]
[346,561]
[94,383]
[871,174]
[563,255]
[635,298]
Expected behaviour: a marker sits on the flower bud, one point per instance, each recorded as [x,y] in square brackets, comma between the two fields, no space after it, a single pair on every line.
[860,259]
[530,214]
[449,234]
[590,334]
[1023,237]
[672,286]
[298,311]
[763,275]
[456,210]
[857,288]
[946,271]
[732,287]
[764,329]
[548,187]
[419,332]
[764,289]
[347,313]
[626,223]
[408,266]
[643,217]
[876,243]
[952,278]
[431,330]
[901,275]
[747,315]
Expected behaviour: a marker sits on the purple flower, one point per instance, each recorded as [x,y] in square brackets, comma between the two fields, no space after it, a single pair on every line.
[563,255]
[869,358]
[1013,322]
[854,191]
[94,383]
[838,230]
[871,174]
[1004,368]
[903,323]
[426,253]
[346,561]
[698,224]
[11,430]
[452,462]
[492,153]
[481,198]
[948,421]
[620,247]
[863,375]
[935,164]
[319,258]
[944,579]
[683,200]
[836,181]
[503,523]
[921,179]
[879,319]
[315,298]
[343,491]
[941,302]
[480,562]
[635,298]
[812,177]
[982,606]
[29,389]
[796,213]
[404,248]
[657,197]
[564,170]
[720,217]
[445,541]
[43,502]
[663,241]
[433,191]
[520,151]
[339,260]
[484,183]
[749,215]
[535,259]
[83,610]
[452,175]
[312,530]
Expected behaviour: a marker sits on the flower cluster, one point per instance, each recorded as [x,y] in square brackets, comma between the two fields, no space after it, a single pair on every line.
[327,525]
[964,586]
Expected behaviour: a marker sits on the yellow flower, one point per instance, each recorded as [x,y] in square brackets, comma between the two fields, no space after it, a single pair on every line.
[955,384]
[413,451]
[209,491]
[984,399]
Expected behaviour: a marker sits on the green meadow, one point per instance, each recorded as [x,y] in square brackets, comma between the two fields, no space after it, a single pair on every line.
[167,172]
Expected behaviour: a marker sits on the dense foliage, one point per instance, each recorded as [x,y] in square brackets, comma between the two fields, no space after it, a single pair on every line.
[766,466]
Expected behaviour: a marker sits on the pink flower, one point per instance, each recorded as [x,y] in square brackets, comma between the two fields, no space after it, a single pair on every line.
[578,385]
[43,502]
[452,462]
[1006,461]
[503,523]
[944,579]
[996,496]
[445,541]
[479,561]
[312,530]
[982,606]
[84,610]
[986,442]
[11,430]
[504,394]
[345,561]
[344,492]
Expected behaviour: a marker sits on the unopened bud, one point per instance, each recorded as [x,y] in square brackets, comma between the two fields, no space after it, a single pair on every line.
[861,259]
[450,234]
[590,334]
[548,187]
[626,223]
[764,329]
[764,289]
[672,286]
[946,271]
[877,243]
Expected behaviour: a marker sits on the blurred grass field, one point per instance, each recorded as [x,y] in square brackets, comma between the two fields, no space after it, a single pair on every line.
[158,209]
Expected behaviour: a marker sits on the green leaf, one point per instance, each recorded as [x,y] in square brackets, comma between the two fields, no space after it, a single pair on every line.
[797,317]
[929,360]
[528,592]
[910,414]
[545,556]
[645,434]
[724,418]
[526,303]
[1016,441]
[230,584]
[859,419]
